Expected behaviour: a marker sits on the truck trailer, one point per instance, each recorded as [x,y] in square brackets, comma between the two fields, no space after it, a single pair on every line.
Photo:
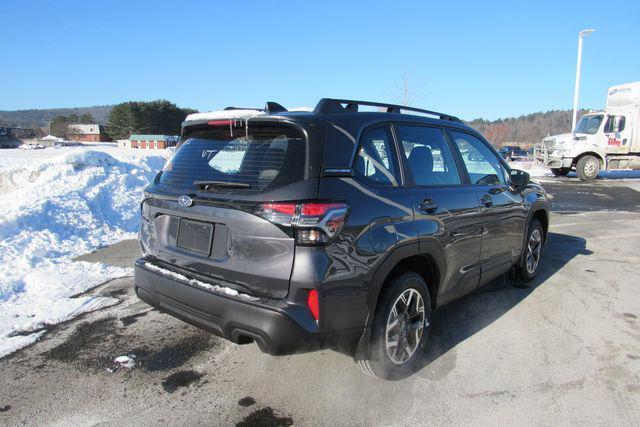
[602,140]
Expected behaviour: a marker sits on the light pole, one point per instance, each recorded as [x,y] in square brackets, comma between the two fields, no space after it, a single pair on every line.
[581,34]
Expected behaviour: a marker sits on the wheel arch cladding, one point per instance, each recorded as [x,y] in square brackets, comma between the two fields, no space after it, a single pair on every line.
[543,218]
[424,265]
[430,266]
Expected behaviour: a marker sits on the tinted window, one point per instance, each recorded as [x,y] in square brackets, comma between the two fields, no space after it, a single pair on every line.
[610,125]
[428,156]
[621,123]
[482,164]
[262,157]
[375,161]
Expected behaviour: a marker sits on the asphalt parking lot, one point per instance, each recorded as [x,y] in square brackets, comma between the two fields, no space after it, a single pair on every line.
[563,349]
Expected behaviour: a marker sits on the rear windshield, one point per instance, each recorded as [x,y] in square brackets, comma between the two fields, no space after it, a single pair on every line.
[262,158]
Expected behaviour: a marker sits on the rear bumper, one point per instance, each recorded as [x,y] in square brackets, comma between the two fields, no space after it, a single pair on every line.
[277,327]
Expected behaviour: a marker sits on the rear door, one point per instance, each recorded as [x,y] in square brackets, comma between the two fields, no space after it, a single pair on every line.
[203,214]
[446,210]
[383,202]
[503,211]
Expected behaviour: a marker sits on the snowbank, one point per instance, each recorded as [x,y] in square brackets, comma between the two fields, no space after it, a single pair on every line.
[55,210]
[534,169]
[52,138]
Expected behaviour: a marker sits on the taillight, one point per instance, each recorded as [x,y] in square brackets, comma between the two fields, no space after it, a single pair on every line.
[312,303]
[278,213]
[313,223]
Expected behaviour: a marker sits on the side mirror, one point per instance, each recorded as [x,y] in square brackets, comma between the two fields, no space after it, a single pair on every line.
[519,178]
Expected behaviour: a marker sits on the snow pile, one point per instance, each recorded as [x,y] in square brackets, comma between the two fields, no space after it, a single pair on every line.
[52,138]
[57,209]
[240,114]
[535,170]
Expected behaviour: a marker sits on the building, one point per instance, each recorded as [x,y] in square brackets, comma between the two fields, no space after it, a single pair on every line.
[158,142]
[12,137]
[123,143]
[88,133]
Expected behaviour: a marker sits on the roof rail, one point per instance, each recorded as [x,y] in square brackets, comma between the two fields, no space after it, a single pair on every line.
[269,107]
[334,106]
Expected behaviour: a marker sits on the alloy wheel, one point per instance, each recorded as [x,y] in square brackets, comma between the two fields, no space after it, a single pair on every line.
[534,249]
[405,326]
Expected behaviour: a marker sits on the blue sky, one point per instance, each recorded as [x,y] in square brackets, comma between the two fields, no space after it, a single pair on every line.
[473,59]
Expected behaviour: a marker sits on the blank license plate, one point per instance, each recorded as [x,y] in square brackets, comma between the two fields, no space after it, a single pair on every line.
[195,236]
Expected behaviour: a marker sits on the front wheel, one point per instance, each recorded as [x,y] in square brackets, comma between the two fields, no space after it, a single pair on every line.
[532,251]
[587,168]
[400,328]
[560,171]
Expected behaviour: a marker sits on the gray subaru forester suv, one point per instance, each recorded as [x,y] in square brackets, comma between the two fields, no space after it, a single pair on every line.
[334,228]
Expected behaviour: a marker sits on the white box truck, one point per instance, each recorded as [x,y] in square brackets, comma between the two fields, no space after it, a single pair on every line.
[602,140]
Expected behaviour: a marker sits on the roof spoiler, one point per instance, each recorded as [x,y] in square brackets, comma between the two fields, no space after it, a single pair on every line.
[335,106]
[269,107]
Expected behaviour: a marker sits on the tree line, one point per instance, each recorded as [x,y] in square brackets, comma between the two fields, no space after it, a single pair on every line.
[59,125]
[128,118]
[163,117]
[527,129]
[154,117]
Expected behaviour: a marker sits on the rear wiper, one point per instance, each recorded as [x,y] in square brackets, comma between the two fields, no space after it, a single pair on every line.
[213,185]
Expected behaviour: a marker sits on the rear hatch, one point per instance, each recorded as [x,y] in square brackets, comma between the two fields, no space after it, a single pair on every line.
[201,214]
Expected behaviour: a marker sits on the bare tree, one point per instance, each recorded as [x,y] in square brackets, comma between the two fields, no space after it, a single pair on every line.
[406,93]
[497,133]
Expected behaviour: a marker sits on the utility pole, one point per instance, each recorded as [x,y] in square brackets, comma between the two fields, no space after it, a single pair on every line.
[576,91]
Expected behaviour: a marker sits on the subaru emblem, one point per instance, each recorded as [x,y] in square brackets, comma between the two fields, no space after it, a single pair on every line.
[185,200]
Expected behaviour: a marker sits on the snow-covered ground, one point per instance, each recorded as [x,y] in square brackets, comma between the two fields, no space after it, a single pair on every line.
[59,203]
[14,157]
[542,173]
[534,169]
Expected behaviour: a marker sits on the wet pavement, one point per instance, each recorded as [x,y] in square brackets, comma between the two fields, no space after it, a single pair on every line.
[563,349]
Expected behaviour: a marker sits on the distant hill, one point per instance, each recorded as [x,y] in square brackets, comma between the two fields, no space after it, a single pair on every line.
[36,118]
[528,129]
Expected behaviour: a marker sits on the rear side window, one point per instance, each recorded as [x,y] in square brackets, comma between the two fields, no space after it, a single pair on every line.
[428,156]
[376,162]
[261,158]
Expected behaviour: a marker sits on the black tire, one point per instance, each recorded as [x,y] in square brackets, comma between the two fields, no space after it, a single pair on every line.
[535,235]
[380,363]
[560,171]
[587,168]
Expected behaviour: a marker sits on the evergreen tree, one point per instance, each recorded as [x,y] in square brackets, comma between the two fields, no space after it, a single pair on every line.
[154,117]
[86,118]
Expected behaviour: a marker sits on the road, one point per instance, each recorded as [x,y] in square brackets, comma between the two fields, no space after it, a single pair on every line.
[564,349]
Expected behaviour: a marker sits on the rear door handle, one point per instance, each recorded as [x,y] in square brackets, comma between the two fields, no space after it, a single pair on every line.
[487,201]
[428,206]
